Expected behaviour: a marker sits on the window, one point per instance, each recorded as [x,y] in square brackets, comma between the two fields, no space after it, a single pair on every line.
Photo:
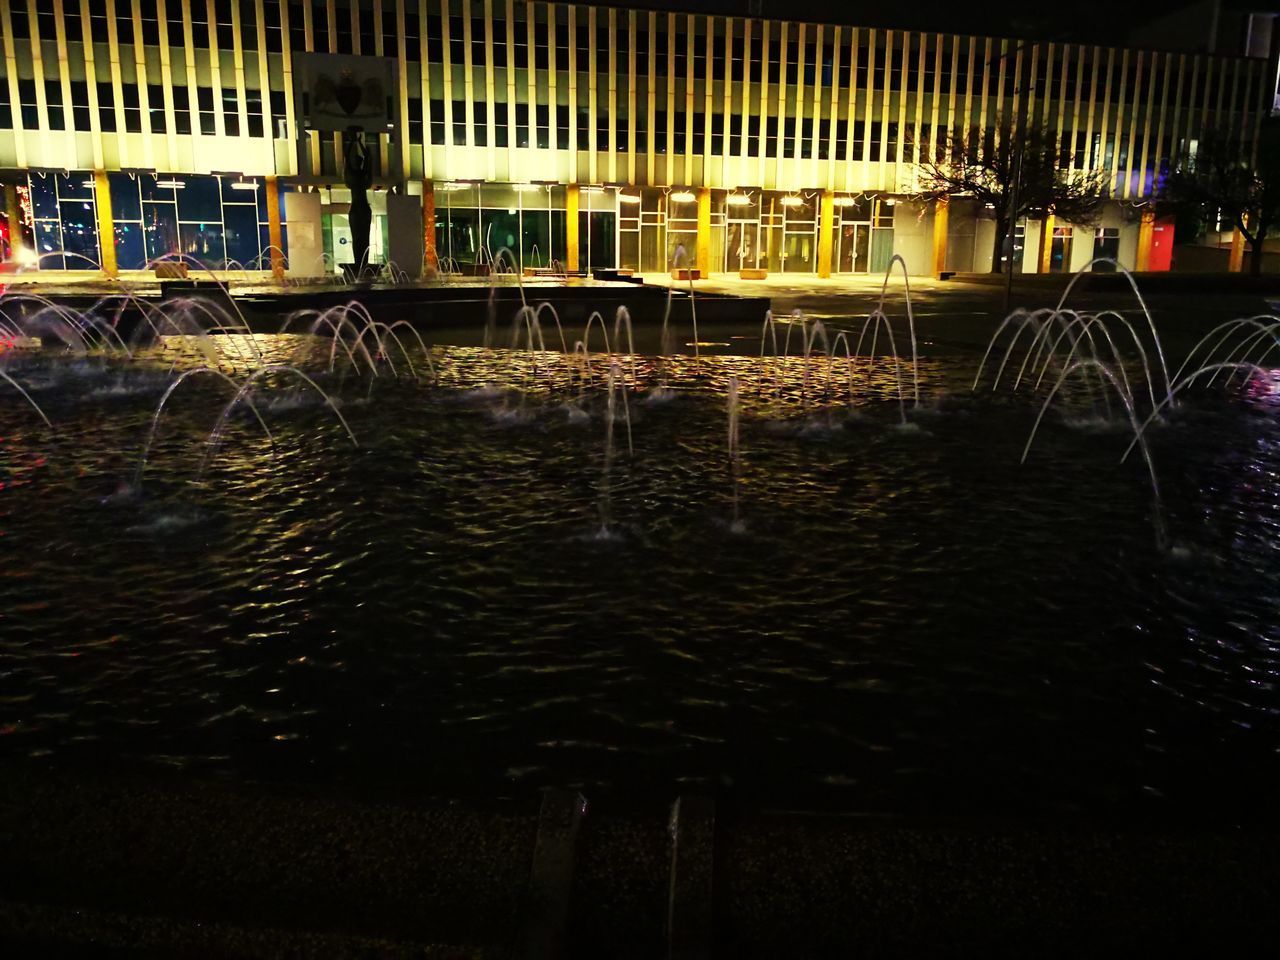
[459,123]
[253,108]
[481,123]
[437,123]
[155,107]
[275,31]
[181,110]
[563,128]
[477,42]
[71,20]
[226,28]
[53,102]
[204,100]
[150,25]
[65,220]
[230,112]
[279,115]
[132,108]
[124,21]
[176,28]
[19,23]
[500,133]
[106,107]
[298,26]
[200,26]
[414,120]
[433,34]
[522,125]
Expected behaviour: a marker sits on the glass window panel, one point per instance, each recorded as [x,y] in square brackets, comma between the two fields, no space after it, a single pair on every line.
[131,251]
[203,242]
[502,231]
[125,204]
[147,186]
[559,236]
[241,233]
[80,235]
[75,186]
[49,240]
[160,228]
[535,237]
[44,197]
[603,252]
[464,234]
[236,190]
[199,200]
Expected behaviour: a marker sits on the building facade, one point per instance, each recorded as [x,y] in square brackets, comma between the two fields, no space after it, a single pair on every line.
[598,137]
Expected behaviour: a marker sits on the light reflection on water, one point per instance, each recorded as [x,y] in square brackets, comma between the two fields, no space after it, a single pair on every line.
[907,619]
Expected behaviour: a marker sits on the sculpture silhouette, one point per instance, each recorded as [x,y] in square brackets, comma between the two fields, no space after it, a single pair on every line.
[358,175]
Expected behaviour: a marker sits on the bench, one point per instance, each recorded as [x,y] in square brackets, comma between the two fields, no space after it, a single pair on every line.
[752,273]
[685,273]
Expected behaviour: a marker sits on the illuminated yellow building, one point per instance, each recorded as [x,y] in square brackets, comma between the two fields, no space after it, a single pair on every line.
[594,136]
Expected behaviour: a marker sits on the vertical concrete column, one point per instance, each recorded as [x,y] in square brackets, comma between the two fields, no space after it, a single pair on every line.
[941,222]
[1146,234]
[704,232]
[1235,263]
[1046,244]
[106,223]
[275,235]
[572,198]
[826,232]
[430,258]
[14,216]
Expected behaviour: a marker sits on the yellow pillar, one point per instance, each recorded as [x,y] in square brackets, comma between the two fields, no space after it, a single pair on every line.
[941,220]
[571,201]
[274,234]
[106,223]
[430,257]
[1235,263]
[704,232]
[1146,234]
[826,232]
[1046,243]
[14,215]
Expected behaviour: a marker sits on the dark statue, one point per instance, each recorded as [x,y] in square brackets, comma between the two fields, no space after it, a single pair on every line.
[358,175]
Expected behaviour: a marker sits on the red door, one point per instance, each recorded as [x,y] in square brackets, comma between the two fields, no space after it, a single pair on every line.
[1161,244]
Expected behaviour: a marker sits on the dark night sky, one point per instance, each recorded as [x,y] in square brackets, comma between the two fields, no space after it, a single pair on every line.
[1100,21]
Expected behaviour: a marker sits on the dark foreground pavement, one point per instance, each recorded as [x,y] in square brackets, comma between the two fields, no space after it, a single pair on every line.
[107,866]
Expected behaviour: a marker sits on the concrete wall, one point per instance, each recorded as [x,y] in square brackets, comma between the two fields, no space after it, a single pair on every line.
[984,236]
[1081,247]
[404,233]
[1031,246]
[913,236]
[306,240]
[961,224]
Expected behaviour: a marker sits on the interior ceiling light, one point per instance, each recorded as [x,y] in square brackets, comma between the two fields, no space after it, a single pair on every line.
[525,188]
[683,196]
[791,200]
[170,184]
[244,185]
[738,200]
[628,198]
[846,202]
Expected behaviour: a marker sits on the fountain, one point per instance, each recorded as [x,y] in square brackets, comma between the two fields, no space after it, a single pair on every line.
[933,607]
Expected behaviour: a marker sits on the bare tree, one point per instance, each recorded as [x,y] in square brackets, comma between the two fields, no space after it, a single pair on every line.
[1016,174]
[1221,175]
